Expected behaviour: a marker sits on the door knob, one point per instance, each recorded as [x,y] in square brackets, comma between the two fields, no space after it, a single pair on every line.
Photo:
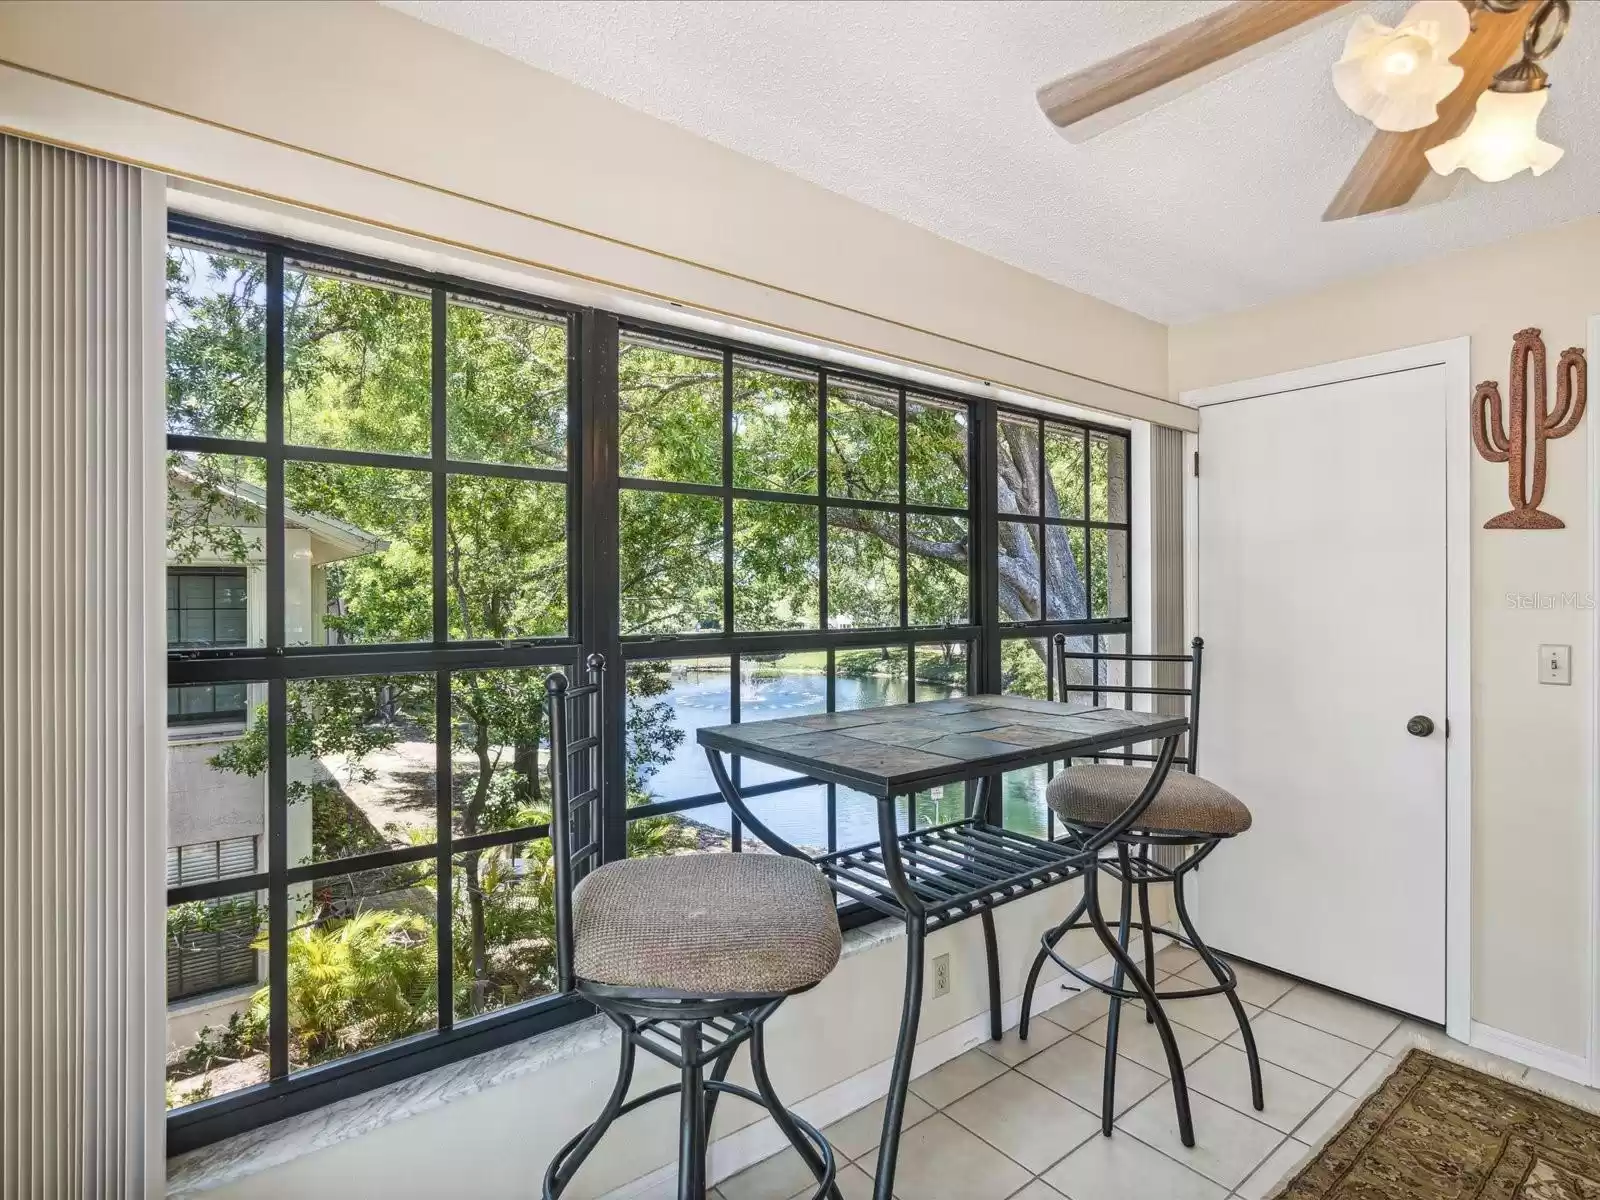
[1419,726]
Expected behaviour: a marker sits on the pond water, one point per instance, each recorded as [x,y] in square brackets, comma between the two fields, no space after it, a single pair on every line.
[701,697]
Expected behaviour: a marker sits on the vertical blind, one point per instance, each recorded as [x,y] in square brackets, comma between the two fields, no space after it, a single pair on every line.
[81,497]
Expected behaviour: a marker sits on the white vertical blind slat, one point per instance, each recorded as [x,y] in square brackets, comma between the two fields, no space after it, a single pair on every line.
[80,757]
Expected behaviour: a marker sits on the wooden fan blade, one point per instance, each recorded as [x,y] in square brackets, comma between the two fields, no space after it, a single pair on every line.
[1172,56]
[1393,166]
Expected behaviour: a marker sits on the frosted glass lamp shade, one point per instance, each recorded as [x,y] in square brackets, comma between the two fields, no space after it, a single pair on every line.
[1396,77]
[1502,139]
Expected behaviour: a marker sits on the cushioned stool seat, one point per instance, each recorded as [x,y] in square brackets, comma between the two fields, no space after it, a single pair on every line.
[708,924]
[1098,793]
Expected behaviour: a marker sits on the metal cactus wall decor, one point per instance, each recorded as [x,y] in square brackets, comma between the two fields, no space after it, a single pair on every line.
[1500,443]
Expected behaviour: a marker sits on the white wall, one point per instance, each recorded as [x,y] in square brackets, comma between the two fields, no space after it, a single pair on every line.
[205,804]
[1531,791]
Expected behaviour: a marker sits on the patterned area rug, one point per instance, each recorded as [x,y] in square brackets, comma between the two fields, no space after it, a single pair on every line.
[1437,1130]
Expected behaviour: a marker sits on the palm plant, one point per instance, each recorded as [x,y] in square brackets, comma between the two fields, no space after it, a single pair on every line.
[361,981]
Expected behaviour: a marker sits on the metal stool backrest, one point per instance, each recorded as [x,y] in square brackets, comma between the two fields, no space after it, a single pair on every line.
[577,783]
[1184,691]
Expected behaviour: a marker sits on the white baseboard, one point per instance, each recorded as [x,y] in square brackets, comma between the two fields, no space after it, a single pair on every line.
[762,1139]
[1530,1053]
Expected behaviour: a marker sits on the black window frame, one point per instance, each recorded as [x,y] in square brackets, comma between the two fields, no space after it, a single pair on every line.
[594,489]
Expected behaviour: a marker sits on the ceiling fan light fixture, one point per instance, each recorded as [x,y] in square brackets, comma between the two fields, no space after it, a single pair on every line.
[1502,139]
[1503,136]
[1395,77]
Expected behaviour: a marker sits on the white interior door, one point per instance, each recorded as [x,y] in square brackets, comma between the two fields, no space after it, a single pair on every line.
[1322,599]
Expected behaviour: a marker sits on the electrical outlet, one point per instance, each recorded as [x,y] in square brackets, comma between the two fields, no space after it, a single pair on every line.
[941,975]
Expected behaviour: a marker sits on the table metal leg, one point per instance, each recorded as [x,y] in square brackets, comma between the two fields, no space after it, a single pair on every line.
[719,774]
[991,949]
[911,1008]
[900,1077]
[981,803]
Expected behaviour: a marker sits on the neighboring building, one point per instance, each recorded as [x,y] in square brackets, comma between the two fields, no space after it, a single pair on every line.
[216,820]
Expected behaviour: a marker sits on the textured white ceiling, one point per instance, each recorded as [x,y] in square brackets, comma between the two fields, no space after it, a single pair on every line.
[926,111]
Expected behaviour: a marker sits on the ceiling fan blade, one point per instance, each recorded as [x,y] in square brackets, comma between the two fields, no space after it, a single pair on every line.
[1176,54]
[1392,167]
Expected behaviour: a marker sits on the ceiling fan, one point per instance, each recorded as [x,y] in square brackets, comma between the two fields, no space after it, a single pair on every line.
[1436,86]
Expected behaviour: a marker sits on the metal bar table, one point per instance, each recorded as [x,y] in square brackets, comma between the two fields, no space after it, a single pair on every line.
[942,874]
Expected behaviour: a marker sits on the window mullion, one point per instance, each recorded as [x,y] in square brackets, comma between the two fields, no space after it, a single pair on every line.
[444,875]
[905,549]
[599,583]
[277,691]
[823,614]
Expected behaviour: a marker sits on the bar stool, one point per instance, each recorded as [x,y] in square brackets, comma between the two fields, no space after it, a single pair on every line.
[1188,819]
[688,955]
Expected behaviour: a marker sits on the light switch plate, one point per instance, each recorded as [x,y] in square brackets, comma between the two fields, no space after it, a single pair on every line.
[1555,664]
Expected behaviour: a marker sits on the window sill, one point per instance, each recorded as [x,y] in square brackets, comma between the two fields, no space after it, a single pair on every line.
[214,1166]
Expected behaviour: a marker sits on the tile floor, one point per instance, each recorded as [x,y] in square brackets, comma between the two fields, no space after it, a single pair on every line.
[1020,1121]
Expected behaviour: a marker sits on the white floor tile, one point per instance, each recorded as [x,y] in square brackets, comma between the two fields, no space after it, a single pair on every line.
[1224,1074]
[1407,1034]
[1367,1075]
[853,1183]
[1141,1041]
[854,1135]
[1024,1120]
[1011,1050]
[1037,1190]
[1302,1049]
[1270,1173]
[1328,1116]
[939,1160]
[1073,1068]
[953,1079]
[1256,986]
[1332,1013]
[776,1178]
[1073,1010]
[1228,1145]
[1174,959]
[1123,1168]
[1210,1015]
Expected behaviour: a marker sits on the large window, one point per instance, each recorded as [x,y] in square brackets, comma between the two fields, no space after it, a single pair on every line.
[398,501]
[369,549]
[792,540]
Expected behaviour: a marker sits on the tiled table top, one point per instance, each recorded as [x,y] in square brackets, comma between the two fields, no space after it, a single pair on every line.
[904,748]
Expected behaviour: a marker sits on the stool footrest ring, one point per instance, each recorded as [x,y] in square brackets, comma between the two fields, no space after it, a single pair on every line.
[825,1181]
[1102,985]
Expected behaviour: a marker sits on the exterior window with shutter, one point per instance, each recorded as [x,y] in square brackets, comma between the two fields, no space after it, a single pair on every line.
[210,943]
